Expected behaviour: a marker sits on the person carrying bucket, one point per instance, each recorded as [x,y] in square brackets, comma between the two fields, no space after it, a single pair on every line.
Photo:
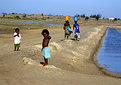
[67,28]
[76,29]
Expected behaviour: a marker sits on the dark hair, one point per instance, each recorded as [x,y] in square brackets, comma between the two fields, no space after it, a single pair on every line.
[75,22]
[45,31]
[67,21]
[17,29]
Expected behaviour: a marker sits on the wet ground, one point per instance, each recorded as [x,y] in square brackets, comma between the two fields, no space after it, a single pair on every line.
[109,55]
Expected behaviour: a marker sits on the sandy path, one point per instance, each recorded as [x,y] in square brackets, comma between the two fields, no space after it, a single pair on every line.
[71,62]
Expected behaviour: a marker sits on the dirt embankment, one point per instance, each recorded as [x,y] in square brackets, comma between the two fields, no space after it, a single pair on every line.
[71,62]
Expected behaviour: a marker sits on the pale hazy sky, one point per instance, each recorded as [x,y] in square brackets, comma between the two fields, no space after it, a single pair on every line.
[108,8]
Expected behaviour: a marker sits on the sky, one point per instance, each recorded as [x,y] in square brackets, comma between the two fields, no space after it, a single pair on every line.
[107,8]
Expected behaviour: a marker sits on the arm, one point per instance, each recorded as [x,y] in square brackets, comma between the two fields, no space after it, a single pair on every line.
[69,26]
[73,27]
[45,42]
[64,27]
[79,30]
[15,34]
[20,36]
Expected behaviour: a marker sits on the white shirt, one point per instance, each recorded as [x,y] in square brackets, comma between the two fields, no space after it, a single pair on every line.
[17,39]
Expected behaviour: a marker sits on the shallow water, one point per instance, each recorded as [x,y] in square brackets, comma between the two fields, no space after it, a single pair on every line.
[109,55]
[5,32]
[44,23]
[1,25]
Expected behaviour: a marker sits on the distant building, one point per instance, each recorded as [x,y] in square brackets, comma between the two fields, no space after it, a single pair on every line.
[113,18]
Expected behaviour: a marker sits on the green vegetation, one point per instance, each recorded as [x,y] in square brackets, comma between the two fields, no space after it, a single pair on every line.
[77,15]
[13,13]
[17,17]
[83,16]
[24,16]
[86,18]
[4,14]
[96,16]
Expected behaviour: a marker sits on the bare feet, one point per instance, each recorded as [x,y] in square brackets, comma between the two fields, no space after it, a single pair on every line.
[18,50]
[45,64]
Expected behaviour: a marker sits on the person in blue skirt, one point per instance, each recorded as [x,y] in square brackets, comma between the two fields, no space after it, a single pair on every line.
[45,48]
[76,30]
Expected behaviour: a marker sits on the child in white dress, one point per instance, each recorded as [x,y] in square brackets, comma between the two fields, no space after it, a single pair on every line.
[17,38]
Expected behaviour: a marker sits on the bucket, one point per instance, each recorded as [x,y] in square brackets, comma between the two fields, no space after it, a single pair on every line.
[66,18]
[79,36]
[75,18]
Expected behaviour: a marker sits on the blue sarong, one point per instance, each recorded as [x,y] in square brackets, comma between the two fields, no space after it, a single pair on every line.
[46,52]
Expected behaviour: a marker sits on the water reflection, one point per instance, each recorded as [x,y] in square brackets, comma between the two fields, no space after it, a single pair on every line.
[44,23]
[109,55]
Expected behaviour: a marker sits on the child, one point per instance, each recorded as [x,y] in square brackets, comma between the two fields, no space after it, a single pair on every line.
[67,29]
[76,30]
[45,49]
[17,38]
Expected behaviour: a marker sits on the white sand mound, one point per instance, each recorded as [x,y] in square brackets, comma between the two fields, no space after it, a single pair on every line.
[54,46]
[32,62]
[38,46]
[51,66]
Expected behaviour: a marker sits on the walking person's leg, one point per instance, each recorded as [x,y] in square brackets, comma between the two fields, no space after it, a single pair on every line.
[76,36]
[65,37]
[46,62]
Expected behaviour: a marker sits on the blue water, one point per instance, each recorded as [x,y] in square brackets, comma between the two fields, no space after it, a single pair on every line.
[109,55]
[1,25]
[44,23]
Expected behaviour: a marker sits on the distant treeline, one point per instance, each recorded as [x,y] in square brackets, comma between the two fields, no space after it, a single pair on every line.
[96,16]
[33,17]
[22,16]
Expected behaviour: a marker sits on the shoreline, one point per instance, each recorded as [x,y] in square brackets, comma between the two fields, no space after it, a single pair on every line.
[99,66]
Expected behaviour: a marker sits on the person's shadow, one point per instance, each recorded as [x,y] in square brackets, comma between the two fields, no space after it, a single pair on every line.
[73,39]
[42,63]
